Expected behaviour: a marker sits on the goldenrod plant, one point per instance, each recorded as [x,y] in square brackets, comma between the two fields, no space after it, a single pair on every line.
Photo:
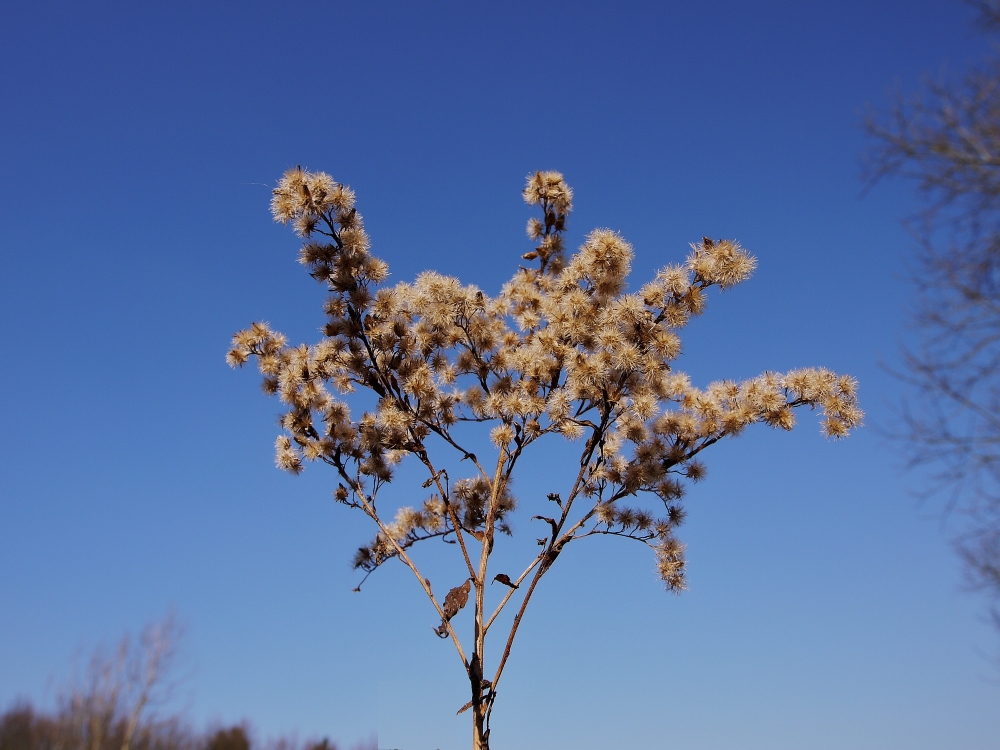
[563,351]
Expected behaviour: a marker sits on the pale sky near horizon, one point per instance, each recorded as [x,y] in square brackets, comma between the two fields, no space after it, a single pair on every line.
[140,142]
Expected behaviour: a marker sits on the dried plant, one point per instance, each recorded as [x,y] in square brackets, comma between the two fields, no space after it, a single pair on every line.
[563,350]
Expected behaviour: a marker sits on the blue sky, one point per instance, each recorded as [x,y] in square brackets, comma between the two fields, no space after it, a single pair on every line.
[139,142]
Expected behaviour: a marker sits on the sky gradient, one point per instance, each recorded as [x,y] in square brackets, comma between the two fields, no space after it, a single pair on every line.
[140,142]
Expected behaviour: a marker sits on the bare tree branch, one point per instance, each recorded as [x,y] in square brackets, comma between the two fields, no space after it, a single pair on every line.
[946,139]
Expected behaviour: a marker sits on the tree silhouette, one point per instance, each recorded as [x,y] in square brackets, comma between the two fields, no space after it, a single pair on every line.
[947,139]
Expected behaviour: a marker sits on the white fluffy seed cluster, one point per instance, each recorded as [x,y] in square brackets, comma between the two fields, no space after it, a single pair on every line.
[563,349]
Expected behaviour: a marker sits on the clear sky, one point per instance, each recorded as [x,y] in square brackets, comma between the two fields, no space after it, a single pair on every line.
[139,144]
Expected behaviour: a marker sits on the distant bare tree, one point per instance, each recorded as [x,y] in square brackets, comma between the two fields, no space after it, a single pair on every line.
[946,138]
[149,675]
[234,738]
[106,710]
[112,707]
[24,728]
